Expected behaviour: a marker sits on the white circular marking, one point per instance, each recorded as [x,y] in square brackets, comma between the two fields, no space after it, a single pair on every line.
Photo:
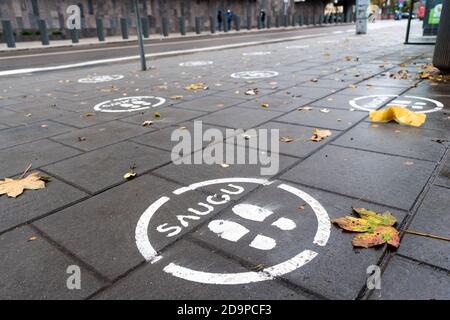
[130,104]
[256,53]
[321,238]
[417,104]
[248,75]
[100,79]
[196,63]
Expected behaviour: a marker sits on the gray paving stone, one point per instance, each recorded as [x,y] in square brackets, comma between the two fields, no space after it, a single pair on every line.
[80,120]
[36,270]
[101,135]
[188,174]
[363,90]
[2,126]
[239,118]
[444,176]
[328,274]
[34,204]
[433,217]
[7,102]
[334,119]
[276,103]
[151,282]
[100,169]
[239,93]
[307,92]
[408,280]
[39,153]
[327,83]
[395,139]
[31,115]
[33,132]
[300,147]
[359,175]
[209,103]
[162,138]
[169,117]
[101,230]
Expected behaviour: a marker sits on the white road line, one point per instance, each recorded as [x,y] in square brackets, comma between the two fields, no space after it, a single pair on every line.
[153,55]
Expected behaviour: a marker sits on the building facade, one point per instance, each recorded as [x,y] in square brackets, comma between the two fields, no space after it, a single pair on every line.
[25,14]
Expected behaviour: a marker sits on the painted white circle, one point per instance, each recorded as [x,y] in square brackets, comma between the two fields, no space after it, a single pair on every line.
[196,63]
[100,79]
[150,254]
[257,53]
[249,75]
[130,104]
[413,103]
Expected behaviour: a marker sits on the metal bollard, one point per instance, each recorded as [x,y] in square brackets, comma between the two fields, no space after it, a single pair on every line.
[294,20]
[441,58]
[260,26]
[145,27]
[198,27]
[249,22]
[286,21]
[44,32]
[8,33]
[269,22]
[300,20]
[165,26]
[212,25]
[74,35]
[124,28]
[237,22]
[100,30]
[182,25]
[277,21]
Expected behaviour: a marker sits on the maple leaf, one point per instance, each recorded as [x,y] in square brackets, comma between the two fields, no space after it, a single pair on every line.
[286,139]
[374,228]
[15,187]
[319,135]
[197,86]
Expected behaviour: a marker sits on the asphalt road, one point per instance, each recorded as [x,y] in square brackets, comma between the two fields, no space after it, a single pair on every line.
[67,55]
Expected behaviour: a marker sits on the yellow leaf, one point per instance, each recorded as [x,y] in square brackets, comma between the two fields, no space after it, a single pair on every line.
[400,115]
[14,188]
[157,114]
[319,135]
[197,86]
[265,105]
[325,110]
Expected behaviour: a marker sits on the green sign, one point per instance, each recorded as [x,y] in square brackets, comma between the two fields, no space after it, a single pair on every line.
[435,14]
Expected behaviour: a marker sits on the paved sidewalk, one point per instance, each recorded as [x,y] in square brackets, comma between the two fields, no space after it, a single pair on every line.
[148,239]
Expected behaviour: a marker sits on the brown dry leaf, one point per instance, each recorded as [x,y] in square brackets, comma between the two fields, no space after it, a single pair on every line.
[14,188]
[286,139]
[402,65]
[374,228]
[81,139]
[314,80]
[147,123]
[319,135]
[408,163]
[28,115]
[251,92]
[302,206]
[129,175]
[305,109]
[353,86]
[32,238]
[265,105]
[44,125]
[89,114]
[176,97]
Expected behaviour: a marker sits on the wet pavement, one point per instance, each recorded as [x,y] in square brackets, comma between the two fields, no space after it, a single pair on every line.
[154,237]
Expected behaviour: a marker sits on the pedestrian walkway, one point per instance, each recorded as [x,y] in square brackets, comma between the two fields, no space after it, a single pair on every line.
[121,209]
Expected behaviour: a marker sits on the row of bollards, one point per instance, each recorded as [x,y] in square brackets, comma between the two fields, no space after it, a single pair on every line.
[226,26]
